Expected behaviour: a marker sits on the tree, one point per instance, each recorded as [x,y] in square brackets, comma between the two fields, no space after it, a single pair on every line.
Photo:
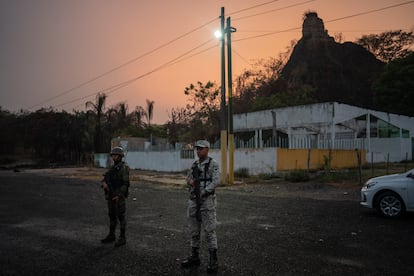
[178,127]
[138,115]
[81,141]
[388,46]
[394,89]
[8,142]
[261,80]
[54,137]
[150,112]
[97,109]
[300,96]
[118,116]
[204,106]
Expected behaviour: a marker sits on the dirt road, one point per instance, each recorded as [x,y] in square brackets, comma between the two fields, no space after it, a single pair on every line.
[51,224]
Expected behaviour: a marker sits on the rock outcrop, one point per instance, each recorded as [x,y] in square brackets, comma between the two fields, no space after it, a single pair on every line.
[341,72]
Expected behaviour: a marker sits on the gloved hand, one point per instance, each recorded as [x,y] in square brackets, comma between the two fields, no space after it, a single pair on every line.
[105,186]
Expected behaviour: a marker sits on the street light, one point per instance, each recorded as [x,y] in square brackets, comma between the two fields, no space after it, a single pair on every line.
[223,129]
[217,34]
[230,30]
[223,134]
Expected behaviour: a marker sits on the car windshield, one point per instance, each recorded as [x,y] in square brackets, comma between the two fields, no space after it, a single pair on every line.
[410,172]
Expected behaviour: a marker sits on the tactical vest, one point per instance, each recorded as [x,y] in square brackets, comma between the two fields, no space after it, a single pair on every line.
[206,167]
[115,176]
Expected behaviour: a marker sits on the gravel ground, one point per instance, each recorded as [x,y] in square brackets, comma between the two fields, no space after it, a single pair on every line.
[51,222]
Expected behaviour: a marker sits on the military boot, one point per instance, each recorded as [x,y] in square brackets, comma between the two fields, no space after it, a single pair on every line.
[111,236]
[193,260]
[213,264]
[121,240]
[108,239]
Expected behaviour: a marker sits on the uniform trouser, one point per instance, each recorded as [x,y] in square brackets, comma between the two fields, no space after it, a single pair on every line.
[208,221]
[116,211]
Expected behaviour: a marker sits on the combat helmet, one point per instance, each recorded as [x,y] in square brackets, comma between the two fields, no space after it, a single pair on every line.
[117,151]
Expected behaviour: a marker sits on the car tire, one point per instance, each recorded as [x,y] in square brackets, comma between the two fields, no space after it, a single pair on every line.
[390,205]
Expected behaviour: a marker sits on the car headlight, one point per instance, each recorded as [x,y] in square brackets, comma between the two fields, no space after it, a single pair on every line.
[370,184]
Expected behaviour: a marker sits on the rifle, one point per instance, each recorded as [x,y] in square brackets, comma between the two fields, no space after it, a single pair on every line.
[108,182]
[197,192]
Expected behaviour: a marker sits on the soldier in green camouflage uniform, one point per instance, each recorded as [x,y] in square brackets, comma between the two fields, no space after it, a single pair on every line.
[115,185]
[209,177]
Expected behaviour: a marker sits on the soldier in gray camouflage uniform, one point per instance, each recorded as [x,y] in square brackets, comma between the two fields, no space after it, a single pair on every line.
[209,178]
[115,185]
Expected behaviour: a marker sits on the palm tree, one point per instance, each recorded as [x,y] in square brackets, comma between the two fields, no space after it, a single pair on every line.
[118,116]
[150,111]
[97,110]
[139,113]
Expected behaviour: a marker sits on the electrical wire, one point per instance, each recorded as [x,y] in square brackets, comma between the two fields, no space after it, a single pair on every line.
[270,11]
[118,86]
[253,7]
[139,57]
[240,56]
[328,21]
[368,12]
[184,56]
[123,64]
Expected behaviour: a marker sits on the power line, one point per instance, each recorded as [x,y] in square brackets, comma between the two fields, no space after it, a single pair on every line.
[368,12]
[143,55]
[258,5]
[270,11]
[245,9]
[332,20]
[287,30]
[193,55]
[330,30]
[240,56]
[179,59]
[167,64]
[122,65]
[267,34]
[118,86]
[184,56]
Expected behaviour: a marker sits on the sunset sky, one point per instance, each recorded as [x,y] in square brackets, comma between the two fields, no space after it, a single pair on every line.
[62,53]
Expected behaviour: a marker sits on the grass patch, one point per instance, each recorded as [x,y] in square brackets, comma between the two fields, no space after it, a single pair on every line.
[337,176]
[242,173]
[297,176]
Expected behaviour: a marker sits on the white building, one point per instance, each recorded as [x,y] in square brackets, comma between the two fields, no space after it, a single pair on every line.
[384,136]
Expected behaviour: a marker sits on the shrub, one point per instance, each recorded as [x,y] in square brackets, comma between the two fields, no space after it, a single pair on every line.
[297,176]
[242,173]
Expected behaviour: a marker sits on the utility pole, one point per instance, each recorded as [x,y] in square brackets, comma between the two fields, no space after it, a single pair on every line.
[223,132]
[230,30]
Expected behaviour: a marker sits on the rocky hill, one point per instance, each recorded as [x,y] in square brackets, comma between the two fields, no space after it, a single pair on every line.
[341,72]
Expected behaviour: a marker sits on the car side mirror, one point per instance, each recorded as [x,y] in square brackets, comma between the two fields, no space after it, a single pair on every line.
[411,175]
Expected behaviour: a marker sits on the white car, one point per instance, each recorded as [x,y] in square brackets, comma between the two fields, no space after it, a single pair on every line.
[390,195]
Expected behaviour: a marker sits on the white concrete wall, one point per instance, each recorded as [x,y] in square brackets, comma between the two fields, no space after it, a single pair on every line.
[101,160]
[164,161]
[396,149]
[257,161]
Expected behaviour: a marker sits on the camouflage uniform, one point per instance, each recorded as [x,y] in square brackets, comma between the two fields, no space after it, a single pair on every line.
[206,171]
[117,178]
[208,182]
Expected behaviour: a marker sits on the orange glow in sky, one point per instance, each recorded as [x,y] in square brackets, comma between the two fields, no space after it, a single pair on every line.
[62,53]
